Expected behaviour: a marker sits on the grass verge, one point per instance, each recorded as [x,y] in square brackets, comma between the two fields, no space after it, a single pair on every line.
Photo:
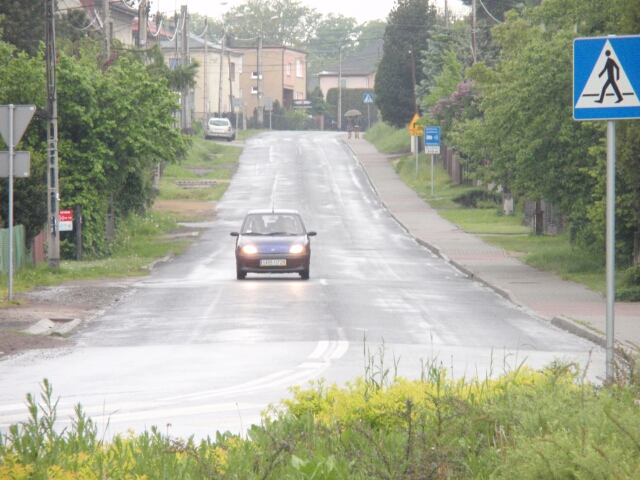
[138,242]
[388,139]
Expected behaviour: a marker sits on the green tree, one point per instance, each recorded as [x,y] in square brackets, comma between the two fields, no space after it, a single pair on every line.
[408,30]
[23,24]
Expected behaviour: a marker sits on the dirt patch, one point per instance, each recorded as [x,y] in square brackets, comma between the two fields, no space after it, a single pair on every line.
[188,209]
[80,299]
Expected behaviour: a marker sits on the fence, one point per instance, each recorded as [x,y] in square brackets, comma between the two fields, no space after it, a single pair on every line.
[20,254]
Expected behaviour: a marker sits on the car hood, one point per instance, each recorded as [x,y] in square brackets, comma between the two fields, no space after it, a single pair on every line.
[271,244]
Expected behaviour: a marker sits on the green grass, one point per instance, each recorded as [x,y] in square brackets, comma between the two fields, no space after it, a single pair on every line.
[138,242]
[389,139]
[556,254]
[486,220]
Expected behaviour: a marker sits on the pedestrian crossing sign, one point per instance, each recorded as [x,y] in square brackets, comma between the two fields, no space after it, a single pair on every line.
[606,78]
[367,98]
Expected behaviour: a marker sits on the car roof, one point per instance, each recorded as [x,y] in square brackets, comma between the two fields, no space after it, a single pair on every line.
[275,212]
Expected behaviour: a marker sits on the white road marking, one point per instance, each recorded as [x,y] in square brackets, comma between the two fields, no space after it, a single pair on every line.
[343,346]
[322,347]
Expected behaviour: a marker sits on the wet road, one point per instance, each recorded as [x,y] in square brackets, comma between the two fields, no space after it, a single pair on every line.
[195,348]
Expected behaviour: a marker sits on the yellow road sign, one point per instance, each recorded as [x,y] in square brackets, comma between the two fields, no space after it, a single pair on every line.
[416,130]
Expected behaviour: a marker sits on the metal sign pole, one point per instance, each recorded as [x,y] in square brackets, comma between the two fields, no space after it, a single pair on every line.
[611,243]
[417,143]
[432,174]
[10,145]
[369,116]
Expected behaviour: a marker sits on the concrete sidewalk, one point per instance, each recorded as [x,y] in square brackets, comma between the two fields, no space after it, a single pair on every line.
[567,305]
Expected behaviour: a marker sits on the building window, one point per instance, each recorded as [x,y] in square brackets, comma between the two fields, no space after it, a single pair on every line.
[232,72]
[343,82]
[239,64]
[254,90]
[366,83]
[299,96]
[240,93]
[299,68]
[254,75]
[289,69]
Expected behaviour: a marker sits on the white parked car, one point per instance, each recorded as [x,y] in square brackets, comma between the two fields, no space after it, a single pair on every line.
[219,128]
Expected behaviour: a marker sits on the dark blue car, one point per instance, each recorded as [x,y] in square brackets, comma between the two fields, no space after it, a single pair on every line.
[273,241]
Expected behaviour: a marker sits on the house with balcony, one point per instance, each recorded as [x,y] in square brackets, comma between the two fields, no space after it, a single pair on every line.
[284,75]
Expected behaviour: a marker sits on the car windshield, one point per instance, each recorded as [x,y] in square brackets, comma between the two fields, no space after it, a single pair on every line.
[219,123]
[272,224]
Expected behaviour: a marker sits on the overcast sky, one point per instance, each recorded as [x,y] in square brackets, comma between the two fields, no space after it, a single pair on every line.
[360,9]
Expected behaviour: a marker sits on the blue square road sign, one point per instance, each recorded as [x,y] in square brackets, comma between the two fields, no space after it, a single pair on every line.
[606,78]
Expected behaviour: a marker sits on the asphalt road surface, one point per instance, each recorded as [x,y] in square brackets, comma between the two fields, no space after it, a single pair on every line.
[193,350]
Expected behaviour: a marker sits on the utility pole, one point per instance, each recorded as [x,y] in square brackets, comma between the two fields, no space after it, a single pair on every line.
[473,30]
[53,238]
[260,108]
[446,13]
[224,34]
[205,98]
[340,88]
[143,16]
[106,38]
[186,98]
[413,83]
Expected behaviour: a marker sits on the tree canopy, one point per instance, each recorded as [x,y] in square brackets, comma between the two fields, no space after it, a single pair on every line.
[405,37]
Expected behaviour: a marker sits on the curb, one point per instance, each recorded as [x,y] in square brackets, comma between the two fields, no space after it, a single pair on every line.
[560,322]
[570,326]
[155,263]
[55,327]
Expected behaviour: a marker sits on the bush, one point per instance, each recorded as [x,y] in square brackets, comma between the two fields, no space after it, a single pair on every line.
[478,198]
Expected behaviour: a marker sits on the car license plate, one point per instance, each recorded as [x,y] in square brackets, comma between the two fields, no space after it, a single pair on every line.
[273,263]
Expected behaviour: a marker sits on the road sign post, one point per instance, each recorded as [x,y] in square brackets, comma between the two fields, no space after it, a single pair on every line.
[367,99]
[606,82]
[14,120]
[432,146]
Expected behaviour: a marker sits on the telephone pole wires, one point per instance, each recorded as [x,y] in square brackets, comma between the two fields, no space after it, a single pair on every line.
[106,34]
[53,195]
[186,98]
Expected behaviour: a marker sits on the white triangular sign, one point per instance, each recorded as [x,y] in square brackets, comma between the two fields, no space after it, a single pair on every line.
[608,85]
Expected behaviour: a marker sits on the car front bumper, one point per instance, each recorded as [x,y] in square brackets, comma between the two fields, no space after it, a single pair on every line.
[294,263]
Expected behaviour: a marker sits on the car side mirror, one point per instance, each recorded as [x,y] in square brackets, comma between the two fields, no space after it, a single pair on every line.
[234,234]
[311,234]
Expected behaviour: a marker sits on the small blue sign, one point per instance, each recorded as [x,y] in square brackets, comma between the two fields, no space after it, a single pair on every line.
[606,78]
[367,98]
[431,139]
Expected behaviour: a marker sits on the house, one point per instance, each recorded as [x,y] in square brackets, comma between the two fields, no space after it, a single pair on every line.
[284,75]
[205,98]
[358,71]
[121,17]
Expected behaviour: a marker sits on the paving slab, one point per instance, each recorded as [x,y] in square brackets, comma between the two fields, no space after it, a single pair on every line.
[566,304]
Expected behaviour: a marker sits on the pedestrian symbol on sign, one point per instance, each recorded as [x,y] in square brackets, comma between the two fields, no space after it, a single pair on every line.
[608,72]
[367,98]
[611,78]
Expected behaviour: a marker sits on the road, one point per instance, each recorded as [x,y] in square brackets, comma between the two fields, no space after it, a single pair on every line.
[193,350]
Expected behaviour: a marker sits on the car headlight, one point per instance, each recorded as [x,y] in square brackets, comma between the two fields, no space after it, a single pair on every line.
[249,249]
[296,249]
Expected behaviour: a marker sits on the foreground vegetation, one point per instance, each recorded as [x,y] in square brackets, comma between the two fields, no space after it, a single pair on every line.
[524,424]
